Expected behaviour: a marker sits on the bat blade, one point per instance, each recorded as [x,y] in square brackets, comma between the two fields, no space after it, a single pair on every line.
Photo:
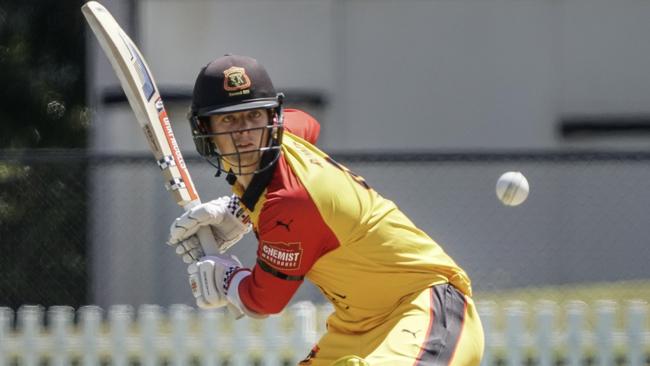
[143,95]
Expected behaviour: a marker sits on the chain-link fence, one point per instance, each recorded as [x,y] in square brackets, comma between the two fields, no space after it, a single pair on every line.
[43,209]
[78,229]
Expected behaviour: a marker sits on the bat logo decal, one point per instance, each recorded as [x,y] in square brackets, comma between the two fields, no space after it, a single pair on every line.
[148,88]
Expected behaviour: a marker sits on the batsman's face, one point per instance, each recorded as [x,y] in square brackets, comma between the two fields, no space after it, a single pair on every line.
[240,136]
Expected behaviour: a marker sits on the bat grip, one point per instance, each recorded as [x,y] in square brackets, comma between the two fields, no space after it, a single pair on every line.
[208,244]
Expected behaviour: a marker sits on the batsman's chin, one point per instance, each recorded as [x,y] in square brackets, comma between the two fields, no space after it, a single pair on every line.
[250,158]
[247,162]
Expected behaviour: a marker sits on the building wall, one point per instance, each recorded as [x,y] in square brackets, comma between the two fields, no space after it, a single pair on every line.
[423,74]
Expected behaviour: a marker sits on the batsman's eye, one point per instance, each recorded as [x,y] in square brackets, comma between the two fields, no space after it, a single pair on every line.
[257,116]
[228,119]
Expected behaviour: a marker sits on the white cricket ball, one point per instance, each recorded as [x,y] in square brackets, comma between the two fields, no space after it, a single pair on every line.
[512,188]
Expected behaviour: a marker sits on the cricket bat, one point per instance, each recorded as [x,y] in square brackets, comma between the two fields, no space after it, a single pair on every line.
[144,97]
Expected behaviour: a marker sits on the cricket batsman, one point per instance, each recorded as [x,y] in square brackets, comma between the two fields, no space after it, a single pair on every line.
[399,299]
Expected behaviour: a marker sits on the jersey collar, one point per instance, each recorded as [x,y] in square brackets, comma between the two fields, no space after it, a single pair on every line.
[256,187]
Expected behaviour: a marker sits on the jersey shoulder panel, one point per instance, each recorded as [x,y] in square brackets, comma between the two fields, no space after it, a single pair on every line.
[301,124]
[292,236]
[292,224]
[291,230]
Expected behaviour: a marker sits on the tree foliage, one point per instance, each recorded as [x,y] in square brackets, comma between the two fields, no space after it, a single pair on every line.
[42,72]
[42,105]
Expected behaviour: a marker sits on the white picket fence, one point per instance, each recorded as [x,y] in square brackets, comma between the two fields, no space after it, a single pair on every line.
[605,333]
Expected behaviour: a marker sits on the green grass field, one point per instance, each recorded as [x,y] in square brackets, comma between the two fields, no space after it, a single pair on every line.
[590,293]
[619,292]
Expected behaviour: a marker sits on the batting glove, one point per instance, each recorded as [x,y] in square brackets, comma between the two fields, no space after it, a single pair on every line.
[210,280]
[225,218]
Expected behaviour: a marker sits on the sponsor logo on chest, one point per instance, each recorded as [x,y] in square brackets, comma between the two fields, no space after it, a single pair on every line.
[280,255]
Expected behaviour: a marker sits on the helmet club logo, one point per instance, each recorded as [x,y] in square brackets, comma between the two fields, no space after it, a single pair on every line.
[236,81]
[284,256]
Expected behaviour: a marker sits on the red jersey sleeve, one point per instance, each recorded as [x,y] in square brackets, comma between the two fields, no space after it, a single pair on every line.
[292,236]
[302,125]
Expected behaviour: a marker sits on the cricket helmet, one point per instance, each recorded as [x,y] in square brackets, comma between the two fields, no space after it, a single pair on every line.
[232,84]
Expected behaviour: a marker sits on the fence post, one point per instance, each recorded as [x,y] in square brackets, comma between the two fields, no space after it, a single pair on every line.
[210,323]
[241,342]
[304,335]
[575,324]
[6,317]
[120,317]
[30,319]
[637,312]
[60,318]
[487,311]
[180,319]
[272,341]
[90,318]
[149,324]
[516,313]
[605,317]
[545,312]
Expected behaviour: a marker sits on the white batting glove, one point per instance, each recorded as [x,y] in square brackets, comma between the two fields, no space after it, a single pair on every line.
[210,280]
[225,218]
[233,227]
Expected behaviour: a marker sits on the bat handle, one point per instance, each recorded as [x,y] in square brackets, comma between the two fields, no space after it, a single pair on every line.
[208,244]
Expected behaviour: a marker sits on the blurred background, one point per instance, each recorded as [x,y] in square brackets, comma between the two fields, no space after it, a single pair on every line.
[429,100]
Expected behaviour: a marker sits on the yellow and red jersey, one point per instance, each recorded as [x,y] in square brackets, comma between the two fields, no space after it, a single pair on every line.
[316,219]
